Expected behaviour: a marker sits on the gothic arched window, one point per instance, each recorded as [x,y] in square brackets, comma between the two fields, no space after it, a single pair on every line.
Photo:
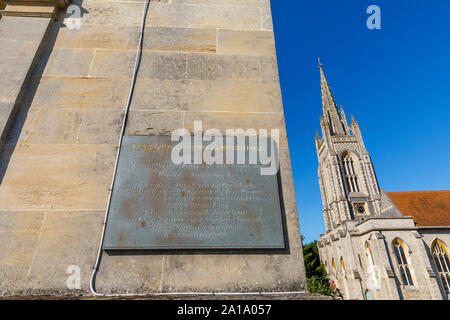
[333,264]
[344,278]
[343,266]
[440,256]
[403,261]
[350,172]
[369,255]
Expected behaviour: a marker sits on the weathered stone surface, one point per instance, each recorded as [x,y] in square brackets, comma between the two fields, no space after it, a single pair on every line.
[290,202]
[177,39]
[71,126]
[204,16]
[207,95]
[113,64]
[125,37]
[116,64]
[178,66]
[69,92]
[8,91]
[18,238]
[266,16]
[91,36]
[151,123]
[242,96]
[269,69]
[58,163]
[219,67]
[5,112]
[190,15]
[26,227]
[94,121]
[232,273]
[144,273]
[233,120]
[167,66]
[37,247]
[48,125]
[111,13]
[16,59]
[68,62]
[246,42]
[54,176]
[226,15]
[25,29]
[20,39]
[60,247]
[68,126]
[181,95]
[236,120]
[250,3]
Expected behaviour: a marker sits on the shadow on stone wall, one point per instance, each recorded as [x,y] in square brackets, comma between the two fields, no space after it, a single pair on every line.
[29,89]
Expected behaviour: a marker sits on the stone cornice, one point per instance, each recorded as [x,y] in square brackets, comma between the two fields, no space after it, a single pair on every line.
[34,9]
[61,4]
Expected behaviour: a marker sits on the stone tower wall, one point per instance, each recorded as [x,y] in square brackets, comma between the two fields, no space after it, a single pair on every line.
[213,61]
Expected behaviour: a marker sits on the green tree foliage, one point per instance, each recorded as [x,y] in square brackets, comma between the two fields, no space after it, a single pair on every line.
[312,260]
[316,276]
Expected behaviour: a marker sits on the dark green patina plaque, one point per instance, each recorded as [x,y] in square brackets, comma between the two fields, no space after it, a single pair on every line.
[157,204]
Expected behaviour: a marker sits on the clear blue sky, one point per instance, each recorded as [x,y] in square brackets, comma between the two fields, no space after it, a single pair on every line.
[396,82]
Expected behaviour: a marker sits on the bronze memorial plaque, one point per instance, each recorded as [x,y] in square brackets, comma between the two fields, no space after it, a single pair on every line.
[157,204]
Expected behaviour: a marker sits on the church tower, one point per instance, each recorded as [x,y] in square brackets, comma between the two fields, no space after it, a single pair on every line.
[369,242]
[347,179]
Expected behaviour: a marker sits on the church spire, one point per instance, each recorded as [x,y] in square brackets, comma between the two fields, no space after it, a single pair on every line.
[330,110]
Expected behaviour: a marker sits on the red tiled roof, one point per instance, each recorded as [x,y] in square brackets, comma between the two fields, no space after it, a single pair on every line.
[428,208]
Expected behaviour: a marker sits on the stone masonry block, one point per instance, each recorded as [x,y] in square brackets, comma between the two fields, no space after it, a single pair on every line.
[68,62]
[204,16]
[52,176]
[151,123]
[68,238]
[246,42]
[242,96]
[71,92]
[219,67]
[182,95]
